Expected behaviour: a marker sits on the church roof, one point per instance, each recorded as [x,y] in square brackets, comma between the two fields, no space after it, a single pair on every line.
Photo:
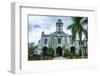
[46,35]
[60,32]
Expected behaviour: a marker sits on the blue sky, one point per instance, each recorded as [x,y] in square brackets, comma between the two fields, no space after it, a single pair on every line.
[37,24]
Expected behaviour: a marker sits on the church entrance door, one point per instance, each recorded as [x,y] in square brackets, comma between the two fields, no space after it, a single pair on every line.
[72,50]
[59,51]
[45,50]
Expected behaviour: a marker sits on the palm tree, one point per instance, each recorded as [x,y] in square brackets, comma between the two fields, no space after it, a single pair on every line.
[85,31]
[85,22]
[77,29]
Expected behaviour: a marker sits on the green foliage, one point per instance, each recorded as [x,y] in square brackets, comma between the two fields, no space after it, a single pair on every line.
[31,48]
[49,55]
[66,52]
[77,29]
[50,51]
[80,53]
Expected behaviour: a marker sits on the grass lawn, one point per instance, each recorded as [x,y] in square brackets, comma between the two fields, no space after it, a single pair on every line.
[37,57]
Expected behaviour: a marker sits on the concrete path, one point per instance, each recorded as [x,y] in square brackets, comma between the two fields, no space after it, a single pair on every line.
[59,58]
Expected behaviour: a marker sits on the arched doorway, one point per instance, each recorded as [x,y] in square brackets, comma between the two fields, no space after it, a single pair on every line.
[72,50]
[45,51]
[59,51]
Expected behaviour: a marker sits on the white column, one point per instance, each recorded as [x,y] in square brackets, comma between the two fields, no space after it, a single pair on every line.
[62,52]
[55,53]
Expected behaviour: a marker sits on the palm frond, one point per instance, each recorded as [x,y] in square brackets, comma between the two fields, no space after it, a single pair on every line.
[70,26]
[85,21]
[86,33]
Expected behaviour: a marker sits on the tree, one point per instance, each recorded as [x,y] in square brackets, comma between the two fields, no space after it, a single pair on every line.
[31,48]
[85,22]
[77,29]
[85,31]
[66,52]
[50,51]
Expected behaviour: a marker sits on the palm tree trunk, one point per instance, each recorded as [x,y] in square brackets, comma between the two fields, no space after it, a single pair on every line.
[86,47]
[82,53]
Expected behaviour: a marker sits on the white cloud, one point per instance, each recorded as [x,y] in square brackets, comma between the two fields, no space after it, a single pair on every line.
[35,35]
[37,24]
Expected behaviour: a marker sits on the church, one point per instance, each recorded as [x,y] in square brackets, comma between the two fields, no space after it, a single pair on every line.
[58,40]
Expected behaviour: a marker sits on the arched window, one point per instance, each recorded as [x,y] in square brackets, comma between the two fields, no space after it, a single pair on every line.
[59,40]
[59,29]
[45,41]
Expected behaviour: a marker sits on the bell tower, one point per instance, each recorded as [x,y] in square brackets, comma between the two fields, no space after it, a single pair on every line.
[59,25]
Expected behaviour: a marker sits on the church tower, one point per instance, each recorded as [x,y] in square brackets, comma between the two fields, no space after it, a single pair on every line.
[59,25]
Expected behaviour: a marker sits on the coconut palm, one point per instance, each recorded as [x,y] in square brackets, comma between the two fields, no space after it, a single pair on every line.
[85,22]
[77,29]
[85,31]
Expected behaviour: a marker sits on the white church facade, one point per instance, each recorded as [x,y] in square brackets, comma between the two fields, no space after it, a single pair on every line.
[59,40]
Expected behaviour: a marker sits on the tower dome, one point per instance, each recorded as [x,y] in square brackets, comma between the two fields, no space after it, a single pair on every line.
[59,20]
